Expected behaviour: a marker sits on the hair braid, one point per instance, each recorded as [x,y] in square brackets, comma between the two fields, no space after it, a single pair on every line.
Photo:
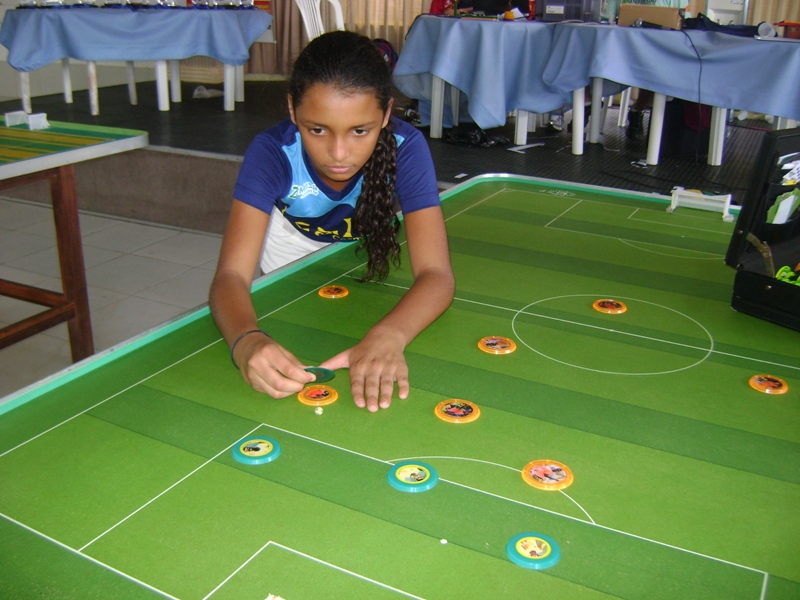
[375,218]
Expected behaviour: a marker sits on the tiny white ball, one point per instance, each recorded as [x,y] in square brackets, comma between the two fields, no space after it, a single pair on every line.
[318,410]
[442,541]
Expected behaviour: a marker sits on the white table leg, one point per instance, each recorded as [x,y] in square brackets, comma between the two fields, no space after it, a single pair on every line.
[597,99]
[161,85]
[455,104]
[624,103]
[578,99]
[784,123]
[656,128]
[134,97]
[716,141]
[437,107]
[240,83]
[229,89]
[521,127]
[175,80]
[94,100]
[25,91]
[66,77]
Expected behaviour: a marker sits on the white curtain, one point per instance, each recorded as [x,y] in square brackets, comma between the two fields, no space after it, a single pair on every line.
[387,19]
[773,11]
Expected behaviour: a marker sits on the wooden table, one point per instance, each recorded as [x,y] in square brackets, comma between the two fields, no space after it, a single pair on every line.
[49,155]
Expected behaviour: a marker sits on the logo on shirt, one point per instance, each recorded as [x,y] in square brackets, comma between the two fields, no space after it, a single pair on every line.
[301,191]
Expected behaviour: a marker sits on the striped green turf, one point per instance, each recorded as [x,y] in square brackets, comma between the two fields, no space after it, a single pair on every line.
[20,143]
[686,480]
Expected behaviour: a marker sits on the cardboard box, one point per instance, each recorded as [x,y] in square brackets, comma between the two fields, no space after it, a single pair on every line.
[671,18]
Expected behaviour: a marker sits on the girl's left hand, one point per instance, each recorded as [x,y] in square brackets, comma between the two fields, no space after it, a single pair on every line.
[376,363]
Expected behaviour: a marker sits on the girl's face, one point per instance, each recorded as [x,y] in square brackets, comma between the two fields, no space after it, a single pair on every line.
[339,130]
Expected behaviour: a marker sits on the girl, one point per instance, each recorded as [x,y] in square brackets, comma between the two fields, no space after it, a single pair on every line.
[332,172]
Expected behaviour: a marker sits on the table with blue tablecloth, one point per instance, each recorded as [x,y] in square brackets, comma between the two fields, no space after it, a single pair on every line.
[537,67]
[717,69]
[37,37]
[496,64]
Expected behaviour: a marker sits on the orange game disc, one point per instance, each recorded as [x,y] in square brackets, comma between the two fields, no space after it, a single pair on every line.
[547,475]
[608,306]
[769,384]
[318,395]
[497,345]
[333,291]
[457,411]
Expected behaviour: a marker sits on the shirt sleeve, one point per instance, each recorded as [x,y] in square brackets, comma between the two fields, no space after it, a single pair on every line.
[265,175]
[415,186]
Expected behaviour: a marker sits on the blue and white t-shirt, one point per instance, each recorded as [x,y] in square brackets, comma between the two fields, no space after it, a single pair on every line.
[277,172]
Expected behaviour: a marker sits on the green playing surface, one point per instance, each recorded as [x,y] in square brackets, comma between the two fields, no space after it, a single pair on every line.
[117,479]
[19,143]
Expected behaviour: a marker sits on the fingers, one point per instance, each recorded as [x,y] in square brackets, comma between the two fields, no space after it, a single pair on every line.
[340,361]
[271,369]
[373,388]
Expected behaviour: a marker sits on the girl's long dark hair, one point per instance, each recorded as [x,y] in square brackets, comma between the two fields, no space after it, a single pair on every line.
[352,64]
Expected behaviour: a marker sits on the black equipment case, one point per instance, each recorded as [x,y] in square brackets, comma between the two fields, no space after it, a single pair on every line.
[758,248]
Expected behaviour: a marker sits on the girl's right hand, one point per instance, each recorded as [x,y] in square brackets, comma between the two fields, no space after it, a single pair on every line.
[270,368]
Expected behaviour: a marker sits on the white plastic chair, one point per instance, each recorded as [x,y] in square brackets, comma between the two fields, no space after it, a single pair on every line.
[312,16]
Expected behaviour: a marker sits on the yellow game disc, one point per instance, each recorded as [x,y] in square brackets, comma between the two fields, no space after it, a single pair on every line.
[457,411]
[547,475]
[497,345]
[333,291]
[611,307]
[318,395]
[769,384]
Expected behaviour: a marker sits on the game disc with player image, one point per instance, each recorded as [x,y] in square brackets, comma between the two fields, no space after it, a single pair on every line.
[495,344]
[533,551]
[610,307]
[315,394]
[769,384]
[547,475]
[457,411]
[333,291]
[255,450]
[412,476]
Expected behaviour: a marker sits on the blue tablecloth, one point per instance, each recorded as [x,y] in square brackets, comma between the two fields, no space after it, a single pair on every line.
[497,65]
[731,71]
[38,37]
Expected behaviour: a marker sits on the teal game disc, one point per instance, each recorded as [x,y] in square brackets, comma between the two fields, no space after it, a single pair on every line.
[412,476]
[256,450]
[321,373]
[533,551]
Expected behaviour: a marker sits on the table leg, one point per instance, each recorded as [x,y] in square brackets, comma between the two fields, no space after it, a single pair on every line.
[578,100]
[624,103]
[596,119]
[94,101]
[437,107]
[229,87]
[521,127]
[717,140]
[134,97]
[70,255]
[239,83]
[175,80]
[161,85]
[656,128]
[66,77]
[71,305]
[25,91]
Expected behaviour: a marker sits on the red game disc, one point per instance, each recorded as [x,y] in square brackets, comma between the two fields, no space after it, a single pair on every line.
[769,384]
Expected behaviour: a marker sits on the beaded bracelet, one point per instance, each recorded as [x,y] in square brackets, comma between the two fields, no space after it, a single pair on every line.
[241,337]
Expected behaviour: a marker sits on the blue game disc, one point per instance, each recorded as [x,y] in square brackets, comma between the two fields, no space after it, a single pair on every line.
[412,476]
[533,551]
[255,450]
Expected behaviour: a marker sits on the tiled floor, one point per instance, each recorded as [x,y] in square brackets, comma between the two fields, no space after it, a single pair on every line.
[139,276]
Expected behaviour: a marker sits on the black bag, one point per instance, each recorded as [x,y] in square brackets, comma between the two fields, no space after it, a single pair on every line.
[758,249]
[703,23]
